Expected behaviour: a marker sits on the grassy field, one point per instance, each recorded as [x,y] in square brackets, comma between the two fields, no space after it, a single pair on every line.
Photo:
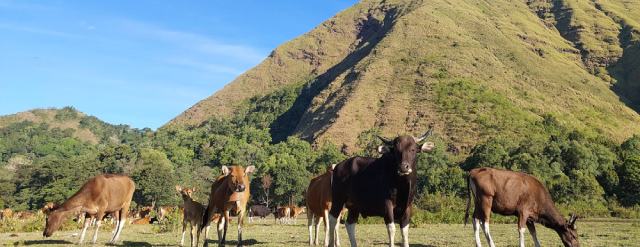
[592,233]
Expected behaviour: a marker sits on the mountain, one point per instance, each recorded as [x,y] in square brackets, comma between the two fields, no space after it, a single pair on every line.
[473,68]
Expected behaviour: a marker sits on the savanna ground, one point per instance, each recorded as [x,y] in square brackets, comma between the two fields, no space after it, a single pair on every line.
[605,232]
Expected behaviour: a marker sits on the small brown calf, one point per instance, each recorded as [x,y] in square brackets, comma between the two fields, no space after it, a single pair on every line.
[193,214]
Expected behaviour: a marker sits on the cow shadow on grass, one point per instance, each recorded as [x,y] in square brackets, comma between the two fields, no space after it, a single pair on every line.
[39,242]
[245,242]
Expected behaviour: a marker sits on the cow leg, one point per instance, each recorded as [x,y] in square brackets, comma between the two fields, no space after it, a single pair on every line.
[532,230]
[120,217]
[476,231]
[522,222]
[404,227]
[240,220]
[184,230]
[487,234]
[98,222]
[319,220]
[352,219]
[84,230]
[223,241]
[310,224]
[391,230]
[220,228]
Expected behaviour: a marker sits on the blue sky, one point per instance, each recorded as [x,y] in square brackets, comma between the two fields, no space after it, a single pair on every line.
[139,63]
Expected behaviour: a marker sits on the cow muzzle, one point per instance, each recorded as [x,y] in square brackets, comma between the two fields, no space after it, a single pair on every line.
[241,188]
[404,169]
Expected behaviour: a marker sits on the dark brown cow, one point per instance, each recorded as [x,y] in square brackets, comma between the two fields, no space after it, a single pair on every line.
[102,194]
[229,193]
[519,194]
[383,187]
[281,214]
[261,211]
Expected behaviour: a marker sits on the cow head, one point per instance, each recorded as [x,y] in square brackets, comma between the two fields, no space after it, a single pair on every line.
[53,221]
[404,149]
[238,177]
[186,192]
[569,232]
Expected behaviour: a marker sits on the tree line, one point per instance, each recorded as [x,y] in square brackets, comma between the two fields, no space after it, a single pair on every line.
[40,164]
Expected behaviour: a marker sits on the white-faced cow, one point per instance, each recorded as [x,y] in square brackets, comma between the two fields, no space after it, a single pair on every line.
[229,193]
[102,194]
[519,194]
[382,187]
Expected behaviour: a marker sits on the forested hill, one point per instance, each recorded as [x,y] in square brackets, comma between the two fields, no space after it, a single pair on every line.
[475,68]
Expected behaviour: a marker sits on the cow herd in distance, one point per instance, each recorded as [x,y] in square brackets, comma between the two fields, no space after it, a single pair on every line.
[361,186]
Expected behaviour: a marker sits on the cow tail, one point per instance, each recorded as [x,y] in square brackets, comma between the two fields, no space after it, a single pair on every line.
[466,214]
[206,221]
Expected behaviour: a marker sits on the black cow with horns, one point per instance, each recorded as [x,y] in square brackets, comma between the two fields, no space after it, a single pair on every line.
[383,187]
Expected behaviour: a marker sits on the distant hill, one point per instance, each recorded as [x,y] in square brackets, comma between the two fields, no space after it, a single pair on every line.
[85,127]
[474,68]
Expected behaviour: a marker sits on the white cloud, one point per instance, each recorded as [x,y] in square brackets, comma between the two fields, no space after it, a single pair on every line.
[205,66]
[197,42]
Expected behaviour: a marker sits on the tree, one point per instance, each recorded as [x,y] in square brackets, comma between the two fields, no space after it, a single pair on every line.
[266,187]
[153,177]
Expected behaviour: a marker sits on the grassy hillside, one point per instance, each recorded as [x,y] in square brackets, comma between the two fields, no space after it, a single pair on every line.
[473,68]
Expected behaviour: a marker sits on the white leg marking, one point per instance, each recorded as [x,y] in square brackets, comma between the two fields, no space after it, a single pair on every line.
[184,230]
[521,233]
[310,225]
[476,231]
[351,230]
[120,225]
[84,230]
[487,234]
[95,234]
[391,230]
[405,236]
[333,227]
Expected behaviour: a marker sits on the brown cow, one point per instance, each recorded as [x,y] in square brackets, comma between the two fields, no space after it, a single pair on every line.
[48,208]
[318,205]
[193,214]
[295,211]
[165,210]
[144,220]
[382,187]
[6,214]
[282,214]
[145,210]
[102,194]
[229,192]
[519,194]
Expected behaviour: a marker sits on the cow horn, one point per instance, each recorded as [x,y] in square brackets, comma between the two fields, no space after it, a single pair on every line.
[386,141]
[425,135]
[573,219]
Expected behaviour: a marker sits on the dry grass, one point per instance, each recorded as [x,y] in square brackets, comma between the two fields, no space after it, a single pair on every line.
[592,233]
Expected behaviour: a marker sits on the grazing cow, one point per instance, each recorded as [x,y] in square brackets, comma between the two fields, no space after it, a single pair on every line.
[102,194]
[295,211]
[259,210]
[6,214]
[318,206]
[230,192]
[193,214]
[27,215]
[383,187]
[520,194]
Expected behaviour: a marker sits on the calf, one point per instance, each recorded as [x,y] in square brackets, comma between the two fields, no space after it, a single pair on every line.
[318,206]
[259,210]
[295,211]
[193,212]
[230,192]
[282,214]
[519,194]
[145,210]
[383,187]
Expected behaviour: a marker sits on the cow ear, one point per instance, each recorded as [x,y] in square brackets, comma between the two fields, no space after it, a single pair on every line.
[249,170]
[383,149]
[426,147]
[225,170]
[195,188]
[178,189]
